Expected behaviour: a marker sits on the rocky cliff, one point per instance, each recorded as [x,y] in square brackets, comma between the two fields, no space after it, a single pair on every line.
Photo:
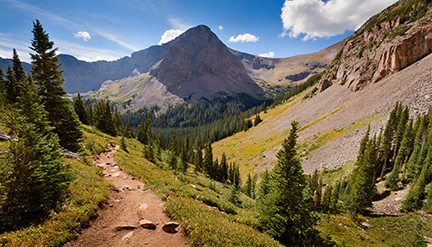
[385,44]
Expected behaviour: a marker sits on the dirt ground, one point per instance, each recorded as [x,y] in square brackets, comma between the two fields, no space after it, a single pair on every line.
[126,206]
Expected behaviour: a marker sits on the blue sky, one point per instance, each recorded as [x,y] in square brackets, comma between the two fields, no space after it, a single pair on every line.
[94,30]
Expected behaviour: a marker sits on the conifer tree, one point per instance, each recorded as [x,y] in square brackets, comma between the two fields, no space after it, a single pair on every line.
[172,160]
[117,120]
[148,130]
[208,160]
[413,166]
[314,180]
[90,113]
[223,169]
[160,142]
[79,108]
[128,131]
[362,181]
[198,161]
[103,117]
[264,188]
[184,164]
[123,144]
[388,139]
[257,120]
[174,146]
[11,86]
[47,76]
[247,189]
[284,212]
[36,179]
[18,70]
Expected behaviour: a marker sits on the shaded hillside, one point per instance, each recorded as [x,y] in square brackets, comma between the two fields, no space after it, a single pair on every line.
[387,43]
[5,63]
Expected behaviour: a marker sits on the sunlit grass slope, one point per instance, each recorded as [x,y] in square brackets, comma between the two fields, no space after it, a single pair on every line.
[201,205]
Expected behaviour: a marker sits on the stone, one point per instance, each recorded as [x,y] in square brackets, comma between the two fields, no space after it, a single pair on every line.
[147,224]
[125,227]
[366,224]
[127,236]
[170,227]
[143,206]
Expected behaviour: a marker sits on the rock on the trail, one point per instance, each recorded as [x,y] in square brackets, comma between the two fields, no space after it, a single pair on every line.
[147,224]
[127,236]
[143,206]
[170,227]
[125,227]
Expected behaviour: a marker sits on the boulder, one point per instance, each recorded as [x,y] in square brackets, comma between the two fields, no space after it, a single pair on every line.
[127,236]
[170,227]
[147,224]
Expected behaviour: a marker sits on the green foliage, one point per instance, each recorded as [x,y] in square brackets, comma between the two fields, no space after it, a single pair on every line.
[47,76]
[362,182]
[103,117]
[285,211]
[297,89]
[123,144]
[34,180]
[257,120]
[79,108]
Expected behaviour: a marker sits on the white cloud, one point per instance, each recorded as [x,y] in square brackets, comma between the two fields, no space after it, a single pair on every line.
[317,19]
[169,35]
[178,27]
[270,54]
[82,35]
[221,27]
[247,37]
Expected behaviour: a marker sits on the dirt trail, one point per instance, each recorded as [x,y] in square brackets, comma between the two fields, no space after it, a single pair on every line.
[126,207]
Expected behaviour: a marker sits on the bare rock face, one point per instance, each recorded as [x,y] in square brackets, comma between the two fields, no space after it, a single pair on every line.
[199,65]
[386,44]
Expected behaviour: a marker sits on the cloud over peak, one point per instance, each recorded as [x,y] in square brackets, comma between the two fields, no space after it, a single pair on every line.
[178,27]
[269,55]
[169,35]
[318,19]
[247,37]
[82,35]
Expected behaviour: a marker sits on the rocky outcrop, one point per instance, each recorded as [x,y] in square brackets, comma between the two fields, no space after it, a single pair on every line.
[386,44]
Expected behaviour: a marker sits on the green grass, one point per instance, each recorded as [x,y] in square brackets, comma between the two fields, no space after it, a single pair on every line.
[401,231]
[201,205]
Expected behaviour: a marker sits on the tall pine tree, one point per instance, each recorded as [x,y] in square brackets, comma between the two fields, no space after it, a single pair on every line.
[284,211]
[47,76]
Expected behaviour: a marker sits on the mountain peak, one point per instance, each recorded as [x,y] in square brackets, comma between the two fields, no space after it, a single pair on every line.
[199,65]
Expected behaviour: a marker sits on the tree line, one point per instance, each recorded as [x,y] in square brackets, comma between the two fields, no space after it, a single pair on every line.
[400,155]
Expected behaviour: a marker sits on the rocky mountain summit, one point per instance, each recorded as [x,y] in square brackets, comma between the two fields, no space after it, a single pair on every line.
[387,43]
[199,65]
